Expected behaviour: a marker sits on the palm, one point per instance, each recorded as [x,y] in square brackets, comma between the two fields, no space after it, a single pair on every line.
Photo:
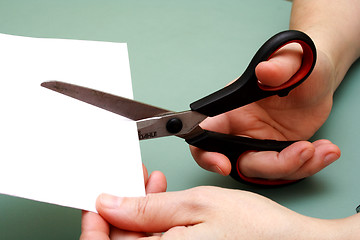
[294,117]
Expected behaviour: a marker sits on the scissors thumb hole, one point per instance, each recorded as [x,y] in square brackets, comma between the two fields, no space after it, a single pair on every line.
[303,70]
[281,67]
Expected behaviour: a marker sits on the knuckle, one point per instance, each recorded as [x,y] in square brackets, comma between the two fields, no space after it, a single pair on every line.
[141,205]
[200,198]
[285,167]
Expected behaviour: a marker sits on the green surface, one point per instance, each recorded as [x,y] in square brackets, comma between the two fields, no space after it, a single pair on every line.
[180,51]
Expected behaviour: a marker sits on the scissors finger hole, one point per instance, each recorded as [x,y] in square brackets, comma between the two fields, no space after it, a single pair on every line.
[306,66]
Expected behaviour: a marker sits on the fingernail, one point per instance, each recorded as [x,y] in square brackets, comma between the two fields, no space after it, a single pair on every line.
[216,169]
[330,158]
[109,201]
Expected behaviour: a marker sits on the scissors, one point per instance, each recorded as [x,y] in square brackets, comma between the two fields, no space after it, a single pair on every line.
[154,122]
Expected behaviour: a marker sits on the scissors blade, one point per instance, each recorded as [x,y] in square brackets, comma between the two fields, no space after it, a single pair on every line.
[181,124]
[123,106]
[152,122]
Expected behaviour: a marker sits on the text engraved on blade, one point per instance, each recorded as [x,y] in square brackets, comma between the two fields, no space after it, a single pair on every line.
[147,135]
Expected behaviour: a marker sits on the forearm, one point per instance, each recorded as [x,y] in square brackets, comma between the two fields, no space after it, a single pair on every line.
[335,28]
[324,229]
[347,228]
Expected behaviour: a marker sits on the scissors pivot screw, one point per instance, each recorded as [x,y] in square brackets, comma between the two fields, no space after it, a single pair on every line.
[174,125]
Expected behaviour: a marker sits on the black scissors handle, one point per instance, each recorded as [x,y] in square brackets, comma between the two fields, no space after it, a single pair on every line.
[247,89]
[234,146]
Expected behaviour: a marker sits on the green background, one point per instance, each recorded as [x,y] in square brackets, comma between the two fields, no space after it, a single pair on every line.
[180,51]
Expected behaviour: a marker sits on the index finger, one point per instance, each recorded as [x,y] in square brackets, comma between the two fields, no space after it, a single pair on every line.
[94,227]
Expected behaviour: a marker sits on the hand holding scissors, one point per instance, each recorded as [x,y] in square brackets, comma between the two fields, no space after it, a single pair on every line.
[155,122]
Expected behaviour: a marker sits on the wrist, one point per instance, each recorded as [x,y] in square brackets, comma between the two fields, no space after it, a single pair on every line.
[320,229]
[337,229]
[337,59]
[334,27]
[348,228]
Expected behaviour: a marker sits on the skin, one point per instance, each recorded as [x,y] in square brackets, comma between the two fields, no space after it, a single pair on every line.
[216,213]
[297,116]
[209,213]
[95,227]
[335,30]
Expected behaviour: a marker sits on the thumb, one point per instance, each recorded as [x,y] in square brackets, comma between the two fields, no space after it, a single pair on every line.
[153,213]
[281,66]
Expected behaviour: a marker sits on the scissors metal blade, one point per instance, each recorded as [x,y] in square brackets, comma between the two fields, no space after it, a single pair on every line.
[152,122]
[123,106]
[181,124]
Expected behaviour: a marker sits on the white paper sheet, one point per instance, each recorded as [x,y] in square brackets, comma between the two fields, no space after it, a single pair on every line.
[57,149]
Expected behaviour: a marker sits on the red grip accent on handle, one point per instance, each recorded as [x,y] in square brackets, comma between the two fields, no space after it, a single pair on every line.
[307,61]
[260,181]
